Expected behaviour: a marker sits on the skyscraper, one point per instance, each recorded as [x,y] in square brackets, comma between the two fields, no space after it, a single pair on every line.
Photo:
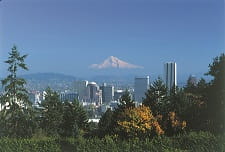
[170,74]
[107,93]
[141,85]
[81,88]
[94,93]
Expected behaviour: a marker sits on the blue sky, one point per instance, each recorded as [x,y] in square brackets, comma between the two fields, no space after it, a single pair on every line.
[66,36]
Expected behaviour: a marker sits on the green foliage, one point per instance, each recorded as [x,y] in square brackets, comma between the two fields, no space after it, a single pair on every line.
[163,104]
[125,101]
[201,89]
[189,104]
[190,86]
[64,119]
[200,142]
[205,108]
[216,95]
[15,92]
[108,123]
[91,111]
[16,117]
[105,123]
[194,141]
[217,70]
[74,118]
[194,113]
[28,145]
[206,101]
[195,98]
[156,97]
[52,114]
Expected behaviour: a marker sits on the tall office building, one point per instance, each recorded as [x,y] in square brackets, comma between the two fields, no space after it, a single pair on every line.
[80,87]
[107,93]
[170,74]
[94,93]
[141,85]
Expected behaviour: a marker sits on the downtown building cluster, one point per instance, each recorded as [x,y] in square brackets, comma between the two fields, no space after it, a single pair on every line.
[90,92]
[104,96]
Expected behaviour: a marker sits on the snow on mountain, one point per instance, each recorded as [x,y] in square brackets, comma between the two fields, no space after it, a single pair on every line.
[114,62]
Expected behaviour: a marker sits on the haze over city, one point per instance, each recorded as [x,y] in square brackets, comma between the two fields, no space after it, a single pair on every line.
[69,36]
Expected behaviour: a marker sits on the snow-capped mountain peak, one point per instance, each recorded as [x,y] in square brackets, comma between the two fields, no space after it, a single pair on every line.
[114,62]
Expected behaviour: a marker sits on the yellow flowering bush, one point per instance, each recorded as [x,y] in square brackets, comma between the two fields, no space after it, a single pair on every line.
[139,122]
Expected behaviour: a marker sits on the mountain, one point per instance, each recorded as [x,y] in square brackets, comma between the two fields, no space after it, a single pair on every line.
[114,62]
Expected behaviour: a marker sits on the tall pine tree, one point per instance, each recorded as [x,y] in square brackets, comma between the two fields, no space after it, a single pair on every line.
[156,97]
[16,114]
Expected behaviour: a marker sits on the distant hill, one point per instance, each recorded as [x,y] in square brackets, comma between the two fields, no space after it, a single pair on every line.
[48,76]
[56,81]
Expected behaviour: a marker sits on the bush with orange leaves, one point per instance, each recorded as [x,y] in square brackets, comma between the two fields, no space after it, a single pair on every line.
[174,125]
[138,122]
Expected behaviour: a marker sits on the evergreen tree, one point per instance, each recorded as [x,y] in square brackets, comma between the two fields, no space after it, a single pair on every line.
[105,124]
[74,118]
[190,86]
[126,101]
[52,113]
[177,102]
[216,94]
[195,97]
[156,97]
[108,123]
[17,113]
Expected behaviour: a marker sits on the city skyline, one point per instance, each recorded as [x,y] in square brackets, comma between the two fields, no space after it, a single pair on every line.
[67,37]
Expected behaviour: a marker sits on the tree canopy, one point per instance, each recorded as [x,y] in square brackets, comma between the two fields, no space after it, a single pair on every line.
[216,95]
[17,113]
[156,97]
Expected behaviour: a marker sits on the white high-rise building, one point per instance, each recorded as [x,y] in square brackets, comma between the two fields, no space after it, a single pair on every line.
[141,86]
[170,74]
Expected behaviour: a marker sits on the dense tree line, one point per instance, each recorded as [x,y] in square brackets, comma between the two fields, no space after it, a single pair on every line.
[18,118]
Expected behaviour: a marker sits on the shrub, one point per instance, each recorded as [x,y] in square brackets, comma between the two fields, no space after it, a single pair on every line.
[194,141]
[27,145]
[201,142]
